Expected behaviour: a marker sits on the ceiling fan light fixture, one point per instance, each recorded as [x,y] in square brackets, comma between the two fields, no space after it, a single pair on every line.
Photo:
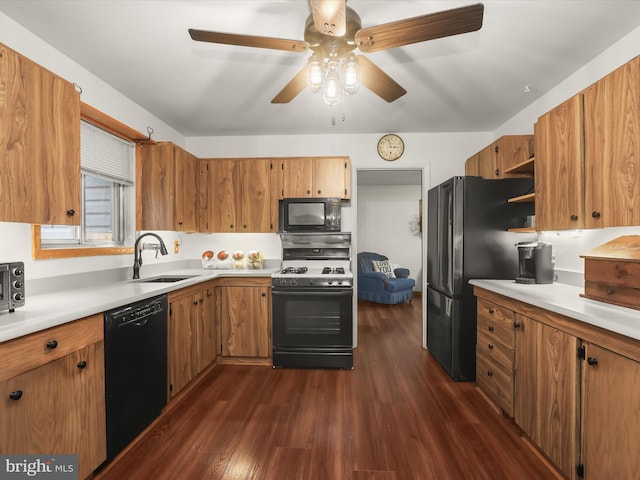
[350,76]
[315,74]
[332,88]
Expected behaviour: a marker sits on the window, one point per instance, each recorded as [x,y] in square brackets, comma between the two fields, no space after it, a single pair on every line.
[107,164]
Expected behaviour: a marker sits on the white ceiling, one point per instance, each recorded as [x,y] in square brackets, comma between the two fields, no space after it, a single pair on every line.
[469,82]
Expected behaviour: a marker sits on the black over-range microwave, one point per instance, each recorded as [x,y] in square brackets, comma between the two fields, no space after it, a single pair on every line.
[310,214]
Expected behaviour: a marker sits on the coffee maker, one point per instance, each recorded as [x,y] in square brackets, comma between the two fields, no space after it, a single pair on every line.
[535,262]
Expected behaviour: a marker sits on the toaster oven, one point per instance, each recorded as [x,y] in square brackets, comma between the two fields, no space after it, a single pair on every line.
[11,286]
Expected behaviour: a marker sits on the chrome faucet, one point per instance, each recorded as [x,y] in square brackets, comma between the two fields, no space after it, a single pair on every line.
[137,255]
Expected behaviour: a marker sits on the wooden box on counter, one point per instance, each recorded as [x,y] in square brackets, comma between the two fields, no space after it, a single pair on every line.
[612,272]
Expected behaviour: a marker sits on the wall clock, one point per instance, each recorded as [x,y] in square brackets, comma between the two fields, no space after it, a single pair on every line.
[390,147]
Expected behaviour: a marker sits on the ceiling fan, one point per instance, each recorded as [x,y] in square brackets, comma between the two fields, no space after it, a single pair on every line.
[333,30]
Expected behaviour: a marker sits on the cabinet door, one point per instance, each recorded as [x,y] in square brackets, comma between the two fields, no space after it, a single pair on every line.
[183,348]
[222,209]
[611,422]
[186,191]
[60,410]
[298,177]
[472,166]
[559,167]
[612,149]
[156,187]
[487,163]
[207,331]
[245,326]
[331,177]
[39,144]
[546,390]
[512,150]
[253,195]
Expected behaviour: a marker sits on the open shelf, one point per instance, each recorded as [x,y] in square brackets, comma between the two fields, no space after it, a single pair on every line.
[528,198]
[523,168]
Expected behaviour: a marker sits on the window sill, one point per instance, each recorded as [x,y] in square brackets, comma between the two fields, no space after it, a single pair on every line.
[39,253]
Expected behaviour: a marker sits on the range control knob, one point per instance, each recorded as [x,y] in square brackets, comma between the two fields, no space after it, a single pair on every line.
[294,281]
[18,284]
[17,272]
[18,297]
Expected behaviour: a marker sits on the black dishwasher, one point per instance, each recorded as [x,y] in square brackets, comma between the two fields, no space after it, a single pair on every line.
[135,369]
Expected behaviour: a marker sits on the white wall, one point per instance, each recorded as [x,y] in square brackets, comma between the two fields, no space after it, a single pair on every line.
[388,223]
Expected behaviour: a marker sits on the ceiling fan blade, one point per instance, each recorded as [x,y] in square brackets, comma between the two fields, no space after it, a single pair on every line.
[249,40]
[293,88]
[372,77]
[329,16]
[419,29]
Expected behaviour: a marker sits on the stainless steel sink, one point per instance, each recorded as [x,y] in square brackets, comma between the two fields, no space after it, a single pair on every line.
[165,279]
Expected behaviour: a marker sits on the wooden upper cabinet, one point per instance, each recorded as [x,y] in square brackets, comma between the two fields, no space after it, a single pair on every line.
[39,144]
[512,150]
[612,149]
[487,166]
[560,168]
[187,171]
[254,195]
[238,195]
[317,177]
[472,166]
[494,161]
[167,181]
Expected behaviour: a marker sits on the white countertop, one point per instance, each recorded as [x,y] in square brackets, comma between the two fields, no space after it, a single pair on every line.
[51,309]
[566,300]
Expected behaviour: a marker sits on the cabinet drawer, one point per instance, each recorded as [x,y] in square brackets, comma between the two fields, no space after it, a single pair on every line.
[497,352]
[495,381]
[498,330]
[25,353]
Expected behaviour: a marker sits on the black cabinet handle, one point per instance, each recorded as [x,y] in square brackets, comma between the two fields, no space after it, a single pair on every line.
[574,217]
[264,294]
[595,214]
[592,361]
[71,213]
[490,373]
[82,364]
[195,302]
[490,328]
[491,310]
[516,325]
[16,395]
[51,344]
[490,346]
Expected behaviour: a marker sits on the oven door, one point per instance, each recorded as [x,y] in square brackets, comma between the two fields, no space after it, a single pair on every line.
[311,318]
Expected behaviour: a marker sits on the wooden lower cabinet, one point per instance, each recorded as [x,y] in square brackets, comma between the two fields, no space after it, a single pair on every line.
[192,335]
[547,389]
[58,406]
[494,353]
[610,415]
[576,388]
[245,317]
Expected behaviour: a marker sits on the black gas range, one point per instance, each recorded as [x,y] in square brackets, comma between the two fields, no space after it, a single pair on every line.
[312,302]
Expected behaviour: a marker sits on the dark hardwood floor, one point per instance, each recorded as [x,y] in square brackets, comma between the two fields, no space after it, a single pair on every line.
[396,416]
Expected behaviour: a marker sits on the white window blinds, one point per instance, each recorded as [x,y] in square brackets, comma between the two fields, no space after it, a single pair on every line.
[105,155]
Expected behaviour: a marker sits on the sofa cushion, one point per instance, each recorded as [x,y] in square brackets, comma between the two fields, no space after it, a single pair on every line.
[383,266]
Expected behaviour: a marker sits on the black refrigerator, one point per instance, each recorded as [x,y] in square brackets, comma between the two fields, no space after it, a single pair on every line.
[467,238]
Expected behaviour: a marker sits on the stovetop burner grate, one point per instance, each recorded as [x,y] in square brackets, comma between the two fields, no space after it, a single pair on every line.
[294,270]
[333,270]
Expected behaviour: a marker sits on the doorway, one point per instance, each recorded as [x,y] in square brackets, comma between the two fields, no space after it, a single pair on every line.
[389,220]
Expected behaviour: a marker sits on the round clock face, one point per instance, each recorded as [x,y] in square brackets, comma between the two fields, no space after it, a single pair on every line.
[390,147]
